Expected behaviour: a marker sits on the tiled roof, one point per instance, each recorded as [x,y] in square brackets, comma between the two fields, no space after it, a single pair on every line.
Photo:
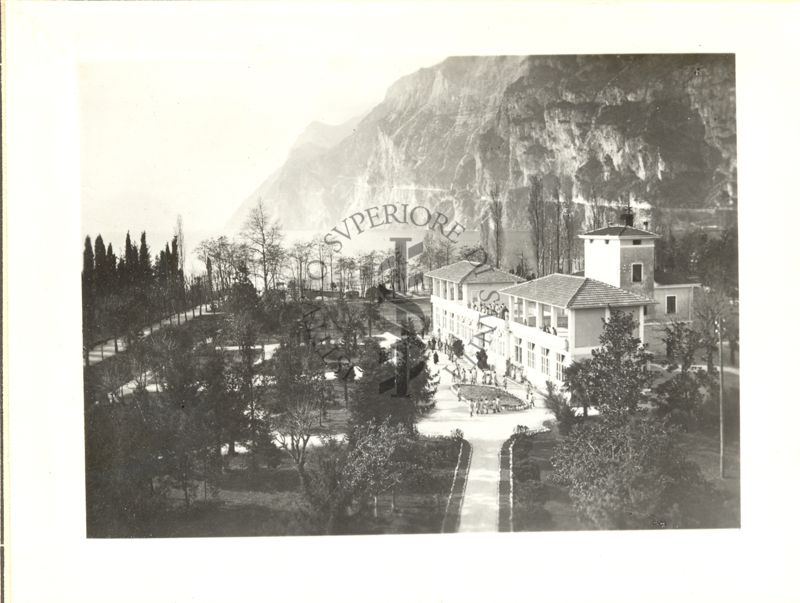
[619,231]
[556,289]
[569,291]
[596,293]
[473,272]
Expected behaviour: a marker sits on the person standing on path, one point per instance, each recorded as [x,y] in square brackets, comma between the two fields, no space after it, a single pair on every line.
[436,357]
[471,407]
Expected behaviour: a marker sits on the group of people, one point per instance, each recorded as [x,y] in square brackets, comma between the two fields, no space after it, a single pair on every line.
[493,309]
[470,377]
[462,375]
[552,330]
[441,345]
[484,406]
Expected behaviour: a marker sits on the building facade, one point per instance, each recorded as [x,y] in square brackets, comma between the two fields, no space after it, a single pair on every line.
[535,329]
[465,299]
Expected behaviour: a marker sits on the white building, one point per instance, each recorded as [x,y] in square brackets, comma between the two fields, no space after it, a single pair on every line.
[539,327]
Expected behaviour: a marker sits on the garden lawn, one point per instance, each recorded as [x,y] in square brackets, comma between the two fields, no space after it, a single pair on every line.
[420,501]
[540,505]
[335,421]
[702,447]
[268,502]
[215,518]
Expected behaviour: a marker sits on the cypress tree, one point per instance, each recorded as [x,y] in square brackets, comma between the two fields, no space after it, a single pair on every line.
[88,265]
[111,265]
[210,274]
[167,263]
[173,268]
[131,261]
[100,265]
[87,290]
[145,263]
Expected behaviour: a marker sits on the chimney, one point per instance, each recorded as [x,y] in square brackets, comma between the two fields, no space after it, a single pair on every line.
[626,217]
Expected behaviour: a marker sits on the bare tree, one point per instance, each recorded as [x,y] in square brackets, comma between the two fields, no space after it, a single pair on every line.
[294,429]
[263,239]
[320,249]
[181,244]
[227,257]
[300,380]
[537,219]
[711,309]
[557,221]
[569,226]
[300,253]
[597,221]
[496,210]
[366,271]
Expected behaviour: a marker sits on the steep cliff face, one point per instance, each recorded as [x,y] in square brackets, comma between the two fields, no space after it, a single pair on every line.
[658,131]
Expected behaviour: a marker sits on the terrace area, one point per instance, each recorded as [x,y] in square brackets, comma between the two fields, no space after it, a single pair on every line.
[546,317]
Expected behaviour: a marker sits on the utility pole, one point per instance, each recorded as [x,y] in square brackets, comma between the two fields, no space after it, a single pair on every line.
[721,404]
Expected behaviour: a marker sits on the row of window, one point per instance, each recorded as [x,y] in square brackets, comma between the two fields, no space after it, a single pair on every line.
[544,359]
[458,326]
[447,290]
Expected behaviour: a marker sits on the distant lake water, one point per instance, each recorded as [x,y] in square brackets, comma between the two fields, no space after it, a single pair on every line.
[379,238]
[376,239]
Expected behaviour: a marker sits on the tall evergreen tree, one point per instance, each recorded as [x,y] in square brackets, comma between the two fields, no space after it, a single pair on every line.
[145,262]
[111,266]
[88,267]
[131,261]
[100,265]
[87,291]
[174,258]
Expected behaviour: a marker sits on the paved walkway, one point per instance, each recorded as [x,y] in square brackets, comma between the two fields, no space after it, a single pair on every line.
[486,433]
[105,349]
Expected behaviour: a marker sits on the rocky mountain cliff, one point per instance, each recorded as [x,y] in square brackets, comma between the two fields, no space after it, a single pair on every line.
[654,130]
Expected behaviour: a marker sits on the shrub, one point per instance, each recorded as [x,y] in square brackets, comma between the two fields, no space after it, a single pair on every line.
[272,454]
[556,402]
[458,347]
[526,470]
[679,400]
[621,472]
[529,510]
[482,358]
[530,492]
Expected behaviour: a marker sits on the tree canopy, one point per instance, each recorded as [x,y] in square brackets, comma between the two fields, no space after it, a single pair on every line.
[614,377]
[625,473]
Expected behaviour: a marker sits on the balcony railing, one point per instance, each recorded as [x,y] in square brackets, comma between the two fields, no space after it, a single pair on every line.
[557,339]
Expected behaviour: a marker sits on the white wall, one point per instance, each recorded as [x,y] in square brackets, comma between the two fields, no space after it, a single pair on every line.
[602,259]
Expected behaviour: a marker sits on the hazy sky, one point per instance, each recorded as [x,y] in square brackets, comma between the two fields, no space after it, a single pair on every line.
[160,139]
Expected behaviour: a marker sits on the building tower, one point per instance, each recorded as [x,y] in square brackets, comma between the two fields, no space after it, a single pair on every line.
[622,255]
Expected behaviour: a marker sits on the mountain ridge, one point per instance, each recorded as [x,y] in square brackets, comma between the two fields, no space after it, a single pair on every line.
[657,131]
